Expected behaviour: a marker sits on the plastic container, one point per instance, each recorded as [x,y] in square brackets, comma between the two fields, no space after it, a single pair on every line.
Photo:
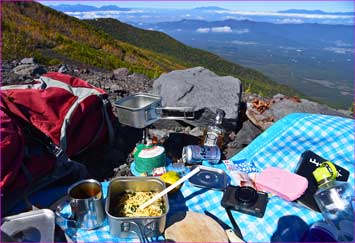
[334,199]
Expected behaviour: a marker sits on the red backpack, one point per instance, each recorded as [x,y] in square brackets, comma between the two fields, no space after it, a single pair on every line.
[55,113]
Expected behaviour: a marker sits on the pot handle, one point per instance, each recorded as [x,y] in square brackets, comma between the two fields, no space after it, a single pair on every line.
[71,223]
[188,113]
[134,227]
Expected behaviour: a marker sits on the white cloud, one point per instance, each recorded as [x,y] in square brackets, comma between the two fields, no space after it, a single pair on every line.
[236,17]
[224,29]
[292,15]
[89,15]
[221,29]
[341,43]
[102,14]
[241,31]
[339,50]
[287,48]
[290,21]
[203,30]
[237,42]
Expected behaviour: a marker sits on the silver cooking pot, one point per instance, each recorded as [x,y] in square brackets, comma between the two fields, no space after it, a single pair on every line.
[133,227]
[141,110]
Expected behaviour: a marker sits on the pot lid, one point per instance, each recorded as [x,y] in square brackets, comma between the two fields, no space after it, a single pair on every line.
[211,178]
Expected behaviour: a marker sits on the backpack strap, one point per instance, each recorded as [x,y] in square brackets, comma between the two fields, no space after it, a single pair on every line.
[107,120]
[111,135]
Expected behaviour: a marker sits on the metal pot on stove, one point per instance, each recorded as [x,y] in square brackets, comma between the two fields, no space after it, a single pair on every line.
[141,109]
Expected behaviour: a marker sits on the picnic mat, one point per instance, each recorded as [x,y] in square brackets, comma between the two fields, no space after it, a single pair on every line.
[280,146]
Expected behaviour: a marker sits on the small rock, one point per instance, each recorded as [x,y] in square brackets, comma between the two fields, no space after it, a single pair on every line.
[232,136]
[120,73]
[197,132]
[260,120]
[187,129]
[24,69]
[63,69]
[114,87]
[29,70]
[28,60]
[122,170]
[138,77]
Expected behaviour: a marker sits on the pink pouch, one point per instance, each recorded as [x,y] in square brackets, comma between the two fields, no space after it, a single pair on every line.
[283,183]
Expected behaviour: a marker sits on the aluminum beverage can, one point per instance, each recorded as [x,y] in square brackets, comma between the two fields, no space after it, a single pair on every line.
[194,154]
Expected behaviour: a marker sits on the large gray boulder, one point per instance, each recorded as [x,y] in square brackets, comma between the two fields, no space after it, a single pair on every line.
[200,88]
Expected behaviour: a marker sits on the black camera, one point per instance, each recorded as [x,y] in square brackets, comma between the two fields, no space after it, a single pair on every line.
[245,199]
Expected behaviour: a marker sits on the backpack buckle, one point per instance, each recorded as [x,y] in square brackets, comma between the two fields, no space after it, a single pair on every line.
[58,153]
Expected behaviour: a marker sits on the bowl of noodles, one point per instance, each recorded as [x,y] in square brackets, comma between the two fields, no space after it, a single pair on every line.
[126,220]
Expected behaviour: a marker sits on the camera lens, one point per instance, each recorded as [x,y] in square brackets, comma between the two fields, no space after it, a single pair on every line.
[246,194]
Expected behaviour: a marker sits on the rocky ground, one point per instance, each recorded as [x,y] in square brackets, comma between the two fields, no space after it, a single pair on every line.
[247,114]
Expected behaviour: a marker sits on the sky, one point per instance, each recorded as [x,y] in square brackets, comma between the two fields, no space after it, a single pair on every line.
[327,6]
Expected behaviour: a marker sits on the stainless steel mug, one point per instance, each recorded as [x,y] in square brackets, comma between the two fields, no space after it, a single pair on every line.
[86,203]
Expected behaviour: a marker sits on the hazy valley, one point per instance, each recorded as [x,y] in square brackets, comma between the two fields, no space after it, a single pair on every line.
[317,60]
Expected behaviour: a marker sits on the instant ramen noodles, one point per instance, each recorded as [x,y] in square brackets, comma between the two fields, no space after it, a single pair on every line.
[128,205]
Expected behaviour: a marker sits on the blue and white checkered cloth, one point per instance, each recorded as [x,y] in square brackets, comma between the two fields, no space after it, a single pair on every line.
[279,146]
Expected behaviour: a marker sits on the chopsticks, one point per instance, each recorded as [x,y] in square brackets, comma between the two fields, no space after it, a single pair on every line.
[171,187]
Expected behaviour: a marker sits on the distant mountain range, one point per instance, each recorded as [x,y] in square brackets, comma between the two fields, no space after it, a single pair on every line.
[31,29]
[86,8]
[209,13]
[209,8]
[302,11]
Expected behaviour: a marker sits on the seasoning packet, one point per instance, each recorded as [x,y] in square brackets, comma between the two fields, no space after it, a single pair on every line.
[242,172]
